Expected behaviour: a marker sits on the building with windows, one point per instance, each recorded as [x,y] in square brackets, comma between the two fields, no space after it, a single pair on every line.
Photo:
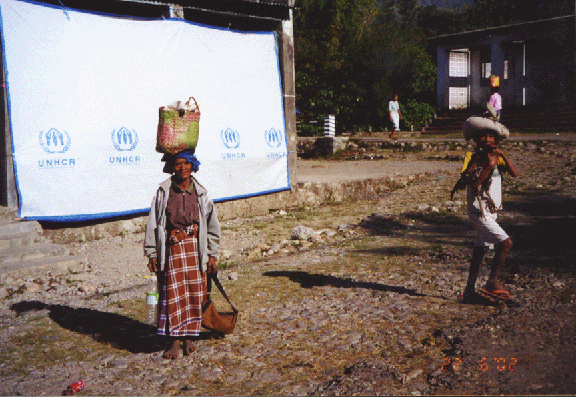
[535,62]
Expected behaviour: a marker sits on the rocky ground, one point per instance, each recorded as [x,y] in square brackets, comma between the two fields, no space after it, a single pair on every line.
[352,298]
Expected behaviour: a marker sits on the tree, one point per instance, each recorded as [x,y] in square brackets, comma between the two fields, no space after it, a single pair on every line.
[352,55]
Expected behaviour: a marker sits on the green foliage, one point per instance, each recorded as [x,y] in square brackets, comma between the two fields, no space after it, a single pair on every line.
[416,113]
[434,21]
[353,55]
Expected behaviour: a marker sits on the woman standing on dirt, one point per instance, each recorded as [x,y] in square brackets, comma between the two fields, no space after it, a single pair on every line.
[395,116]
[182,240]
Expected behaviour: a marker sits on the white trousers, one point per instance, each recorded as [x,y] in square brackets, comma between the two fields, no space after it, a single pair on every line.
[488,231]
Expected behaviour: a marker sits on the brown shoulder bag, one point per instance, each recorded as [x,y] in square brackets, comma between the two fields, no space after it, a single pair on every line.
[214,320]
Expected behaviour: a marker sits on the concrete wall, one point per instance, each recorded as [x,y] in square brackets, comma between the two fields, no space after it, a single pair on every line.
[443,73]
[302,195]
[476,94]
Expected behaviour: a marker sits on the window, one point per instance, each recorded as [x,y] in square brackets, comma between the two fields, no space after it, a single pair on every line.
[457,97]
[458,64]
[486,70]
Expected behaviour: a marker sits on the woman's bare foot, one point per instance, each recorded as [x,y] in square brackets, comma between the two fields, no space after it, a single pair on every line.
[174,350]
[189,347]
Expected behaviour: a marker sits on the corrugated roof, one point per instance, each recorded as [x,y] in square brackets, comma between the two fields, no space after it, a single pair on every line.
[504,27]
[213,12]
[265,9]
[191,3]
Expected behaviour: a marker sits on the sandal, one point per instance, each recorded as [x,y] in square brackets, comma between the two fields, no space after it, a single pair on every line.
[497,293]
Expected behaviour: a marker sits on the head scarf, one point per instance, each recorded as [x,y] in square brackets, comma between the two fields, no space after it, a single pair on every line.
[186,154]
[190,157]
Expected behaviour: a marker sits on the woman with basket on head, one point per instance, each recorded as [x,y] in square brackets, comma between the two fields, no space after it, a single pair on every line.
[181,241]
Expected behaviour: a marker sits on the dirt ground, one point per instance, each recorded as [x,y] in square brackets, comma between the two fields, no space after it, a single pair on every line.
[368,305]
[525,346]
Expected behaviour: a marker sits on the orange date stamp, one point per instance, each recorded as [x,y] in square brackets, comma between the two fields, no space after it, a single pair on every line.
[501,364]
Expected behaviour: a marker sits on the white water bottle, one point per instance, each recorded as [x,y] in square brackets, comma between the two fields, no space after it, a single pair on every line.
[151,312]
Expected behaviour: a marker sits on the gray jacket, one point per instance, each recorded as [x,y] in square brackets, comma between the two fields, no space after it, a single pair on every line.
[208,231]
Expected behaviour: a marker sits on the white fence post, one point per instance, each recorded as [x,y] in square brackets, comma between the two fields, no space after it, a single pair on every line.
[330,125]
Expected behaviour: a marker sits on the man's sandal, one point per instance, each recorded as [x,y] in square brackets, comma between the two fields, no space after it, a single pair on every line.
[501,294]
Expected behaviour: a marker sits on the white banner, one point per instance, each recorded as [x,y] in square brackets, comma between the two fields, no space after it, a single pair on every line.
[84,92]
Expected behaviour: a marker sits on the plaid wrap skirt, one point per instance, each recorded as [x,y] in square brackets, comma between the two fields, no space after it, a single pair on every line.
[183,291]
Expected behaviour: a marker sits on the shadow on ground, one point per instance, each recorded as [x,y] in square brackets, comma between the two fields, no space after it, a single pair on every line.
[110,328]
[542,226]
[547,240]
[431,228]
[307,280]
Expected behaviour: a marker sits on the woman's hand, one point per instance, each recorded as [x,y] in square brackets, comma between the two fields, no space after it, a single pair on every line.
[212,268]
[153,265]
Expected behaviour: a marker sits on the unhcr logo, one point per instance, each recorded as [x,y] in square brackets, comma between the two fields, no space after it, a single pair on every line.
[230,138]
[273,138]
[124,139]
[54,141]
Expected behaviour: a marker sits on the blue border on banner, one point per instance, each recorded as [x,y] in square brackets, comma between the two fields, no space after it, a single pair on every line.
[105,215]
[87,217]
[224,199]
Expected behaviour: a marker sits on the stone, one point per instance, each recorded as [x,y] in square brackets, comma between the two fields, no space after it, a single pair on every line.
[266,377]
[316,238]
[87,288]
[31,287]
[414,373]
[302,233]
[254,252]
[236,375]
